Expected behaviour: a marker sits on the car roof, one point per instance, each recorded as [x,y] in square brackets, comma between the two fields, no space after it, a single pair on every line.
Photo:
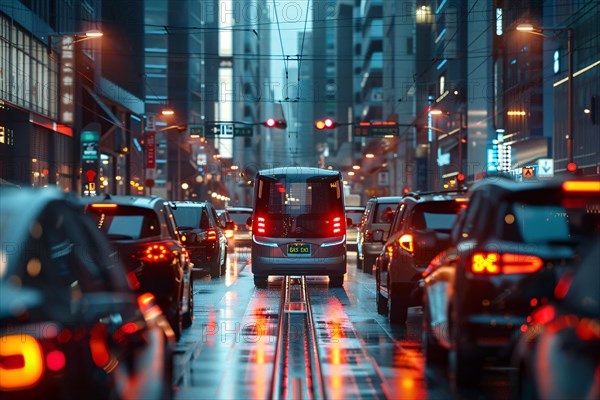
[501,185]
[386,199]
[176,204]
[421,197]
[153,202]
[242,209]
[299,170]
[355,208]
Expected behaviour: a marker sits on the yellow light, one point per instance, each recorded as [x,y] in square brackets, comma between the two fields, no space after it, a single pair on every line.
[370,155]
[94,34]
[32,368]
[356,167]
[525,27]
[516,113]
[351,173]
[435,112]
[167,111]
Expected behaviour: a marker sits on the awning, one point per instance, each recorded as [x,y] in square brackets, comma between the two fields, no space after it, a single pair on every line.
[112,117]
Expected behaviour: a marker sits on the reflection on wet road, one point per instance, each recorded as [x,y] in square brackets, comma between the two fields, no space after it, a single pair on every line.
[229,352]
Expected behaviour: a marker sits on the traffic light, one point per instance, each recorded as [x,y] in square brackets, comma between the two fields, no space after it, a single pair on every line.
[327,123]
[275,123]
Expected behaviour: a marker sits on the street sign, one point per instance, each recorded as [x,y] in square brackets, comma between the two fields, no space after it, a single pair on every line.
[545,167]
[151,150]
[196,131]
[377,128]
[242,132]
[383,178]
[528,172]
[151,122]
[219,130]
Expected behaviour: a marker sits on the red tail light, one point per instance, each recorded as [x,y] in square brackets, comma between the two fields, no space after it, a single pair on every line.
[261,225]
[508,263]
[406,242]
[581,186]
[211,235]
[368,235]
[157,253]
[104,205]
[21,362]
[337,225]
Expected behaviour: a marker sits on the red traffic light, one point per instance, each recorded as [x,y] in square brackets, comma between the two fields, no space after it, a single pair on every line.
[274,123]
[571,167]
[460,177]
[325,124]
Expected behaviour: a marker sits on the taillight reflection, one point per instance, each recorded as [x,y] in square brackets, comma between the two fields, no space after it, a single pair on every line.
[21,362]
[508,263]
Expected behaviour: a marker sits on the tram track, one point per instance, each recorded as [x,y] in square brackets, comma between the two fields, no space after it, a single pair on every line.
[297,372]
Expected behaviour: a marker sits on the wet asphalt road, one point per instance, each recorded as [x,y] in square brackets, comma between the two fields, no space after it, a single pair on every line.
[228,352]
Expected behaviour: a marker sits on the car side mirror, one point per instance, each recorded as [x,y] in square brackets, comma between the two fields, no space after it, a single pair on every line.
[378,235]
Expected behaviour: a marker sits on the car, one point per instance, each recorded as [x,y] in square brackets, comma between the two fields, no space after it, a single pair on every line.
[355,213]
[144,232]
[374,228]
[71,322]
[205,241]
[229,225]
[557,354]
[420,230]
[507,252]
[242,217]
[298,224]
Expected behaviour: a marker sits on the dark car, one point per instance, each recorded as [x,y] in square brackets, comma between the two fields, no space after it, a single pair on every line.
[420,230]
[355,213]
[507,251]
[204,238]
[71,324]
[242,217]
[374,228]
[558,351]
[144,232]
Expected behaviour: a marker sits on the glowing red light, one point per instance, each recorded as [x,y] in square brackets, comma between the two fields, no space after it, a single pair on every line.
[460,177]
[571,167]
[328,123]
[270,122]
[55,360]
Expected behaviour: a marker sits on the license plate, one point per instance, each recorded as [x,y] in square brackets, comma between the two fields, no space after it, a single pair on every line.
[298,250]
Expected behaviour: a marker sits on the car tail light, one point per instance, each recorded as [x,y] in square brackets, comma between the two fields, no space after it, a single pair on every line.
[406,241]
[55,360]
[369,235]
[229,233]
[157,253]
[261,225]
[337,225]
[507,263]
[21,362]
[581,186]
[211,235]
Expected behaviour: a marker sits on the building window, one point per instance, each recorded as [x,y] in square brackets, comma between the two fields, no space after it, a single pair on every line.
[409,45]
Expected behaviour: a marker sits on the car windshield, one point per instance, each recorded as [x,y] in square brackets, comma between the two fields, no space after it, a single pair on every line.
[125,222]
[548,220]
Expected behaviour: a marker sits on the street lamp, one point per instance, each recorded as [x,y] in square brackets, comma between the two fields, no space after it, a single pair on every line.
[538,31]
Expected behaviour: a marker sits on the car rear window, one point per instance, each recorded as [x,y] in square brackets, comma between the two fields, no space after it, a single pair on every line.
[550,217]
[437,216]
[355,216]
[126,222]
[240,218]
[384,213]
[191,217]
[300,205]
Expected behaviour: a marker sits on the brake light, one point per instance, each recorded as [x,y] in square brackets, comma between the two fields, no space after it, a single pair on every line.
[581,186]
[229,233]
[337,225]
[104,205]
[157,253]
[21,362]
[261,225]
[212,235]
[368,235]
[406,242]
[508,263]
[55,360]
